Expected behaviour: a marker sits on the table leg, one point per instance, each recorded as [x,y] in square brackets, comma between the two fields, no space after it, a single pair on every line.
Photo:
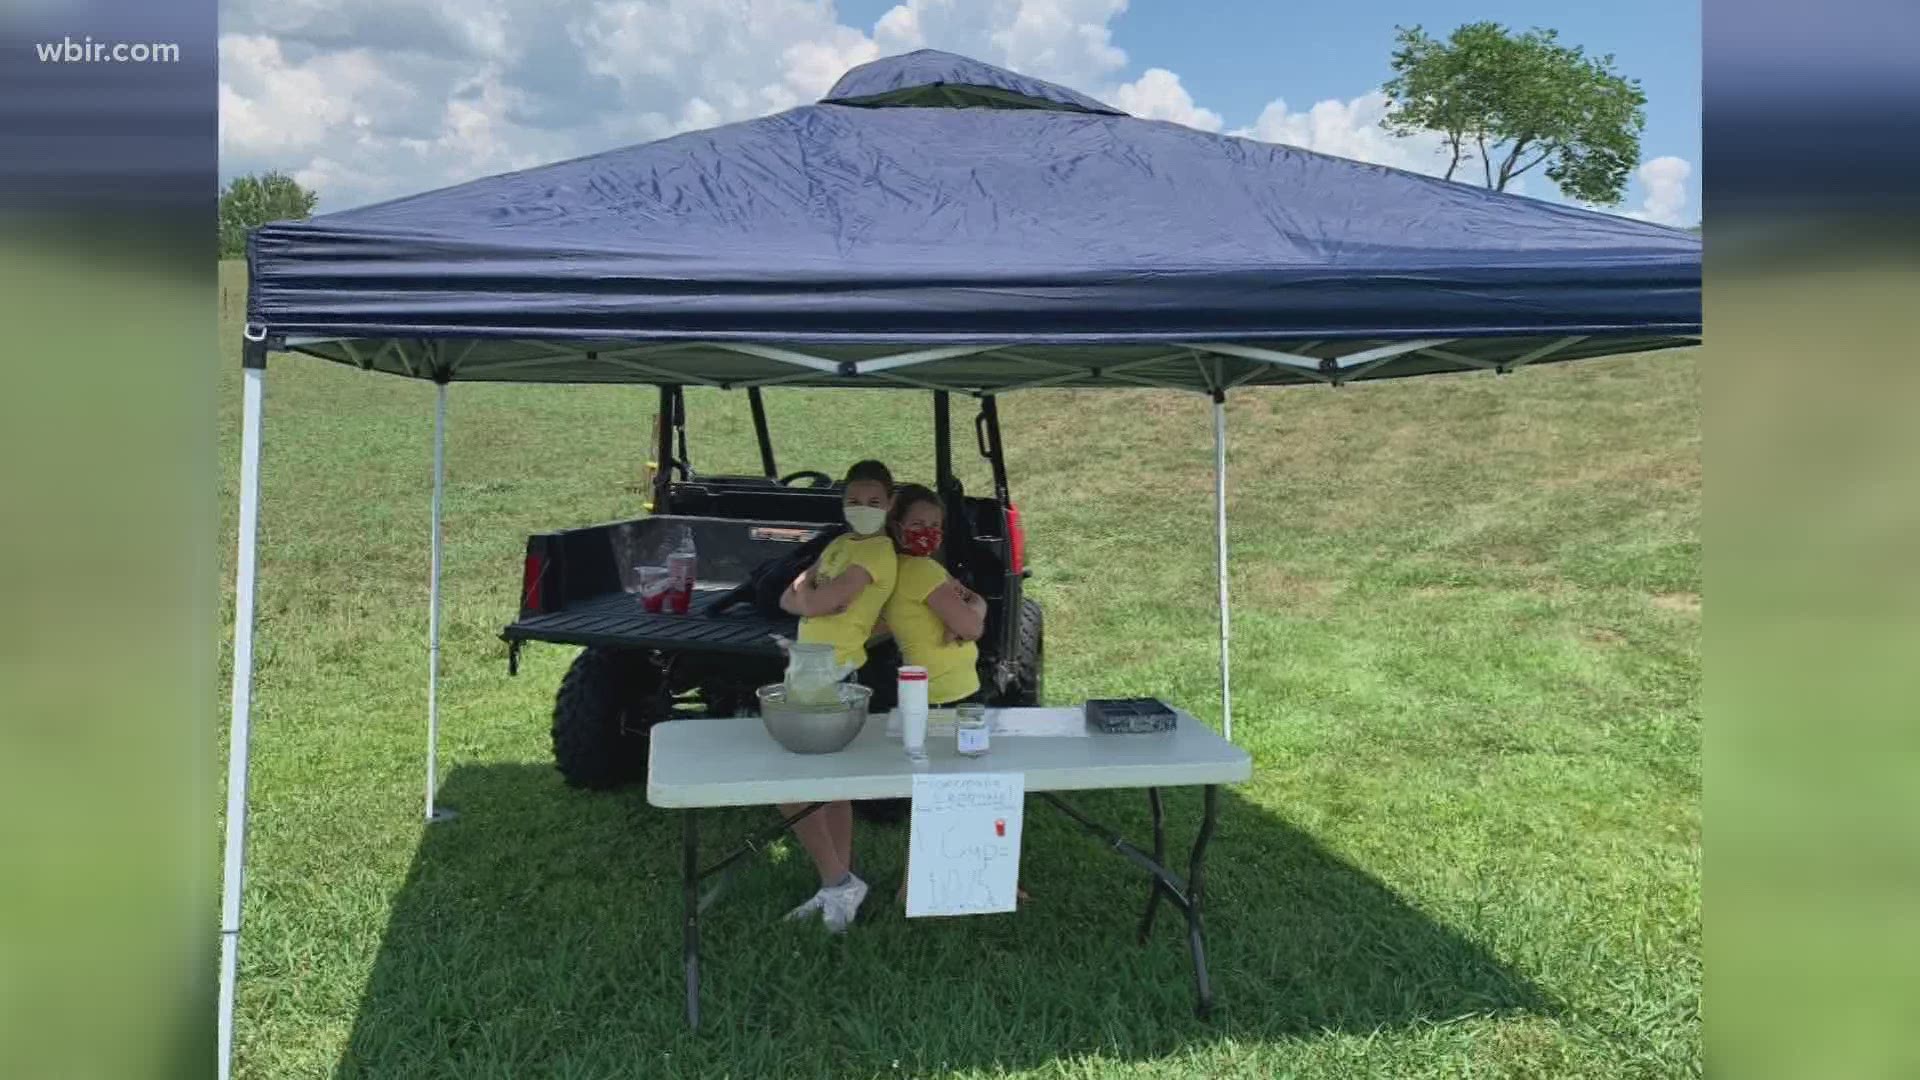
[1154,890]
[691,875]
[1185,895]
[725,867]
[1196,890]
[690,889]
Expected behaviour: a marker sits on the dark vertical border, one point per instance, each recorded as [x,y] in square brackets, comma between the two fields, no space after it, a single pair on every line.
[1812,536]
[107,747]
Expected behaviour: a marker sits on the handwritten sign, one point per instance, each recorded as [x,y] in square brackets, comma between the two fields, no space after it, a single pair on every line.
[963,851]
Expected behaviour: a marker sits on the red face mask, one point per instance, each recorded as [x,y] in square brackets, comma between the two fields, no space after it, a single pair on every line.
[922,540]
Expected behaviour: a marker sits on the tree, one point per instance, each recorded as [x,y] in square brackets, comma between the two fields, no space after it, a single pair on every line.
[1516,102]
[251,201]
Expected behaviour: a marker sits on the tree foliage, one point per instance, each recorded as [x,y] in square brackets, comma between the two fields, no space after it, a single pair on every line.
[1515,102]
[251,201]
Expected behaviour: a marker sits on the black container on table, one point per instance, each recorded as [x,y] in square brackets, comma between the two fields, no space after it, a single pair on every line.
[1129,716]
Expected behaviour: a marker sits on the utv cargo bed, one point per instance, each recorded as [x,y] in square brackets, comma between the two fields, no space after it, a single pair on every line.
[575,589]
[616,619]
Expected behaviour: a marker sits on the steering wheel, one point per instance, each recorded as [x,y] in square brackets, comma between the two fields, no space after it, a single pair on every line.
[820,479]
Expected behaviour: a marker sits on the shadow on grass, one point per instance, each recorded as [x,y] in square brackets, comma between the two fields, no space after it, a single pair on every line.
[539,934]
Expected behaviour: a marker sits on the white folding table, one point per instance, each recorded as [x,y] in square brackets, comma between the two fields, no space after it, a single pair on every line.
[715,762]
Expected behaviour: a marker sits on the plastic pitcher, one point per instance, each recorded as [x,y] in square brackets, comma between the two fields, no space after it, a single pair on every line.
[813,675]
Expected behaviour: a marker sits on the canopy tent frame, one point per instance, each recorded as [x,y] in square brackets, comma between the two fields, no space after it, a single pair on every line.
[1315,361]
[1220,534]
[1242,265]
[239,738]
[424,360]
[436,813]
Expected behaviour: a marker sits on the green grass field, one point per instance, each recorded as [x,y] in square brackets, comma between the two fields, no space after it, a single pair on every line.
[1467,649]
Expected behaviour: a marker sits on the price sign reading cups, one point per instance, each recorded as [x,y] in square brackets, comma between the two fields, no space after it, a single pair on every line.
[963,852]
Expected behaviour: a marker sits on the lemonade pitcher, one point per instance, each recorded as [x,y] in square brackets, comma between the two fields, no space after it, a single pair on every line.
[813,674]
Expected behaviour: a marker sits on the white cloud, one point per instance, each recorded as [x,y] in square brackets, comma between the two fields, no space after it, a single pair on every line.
[1064,41]
[742,59]
[358,127]
[444,28]
[1158,95]
[371,99]
[1350,129]
[271,106]
[812,67]
[1665,182]
[899,30]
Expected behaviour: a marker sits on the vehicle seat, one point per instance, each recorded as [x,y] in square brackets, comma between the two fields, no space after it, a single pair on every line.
[969,553]
[754,502]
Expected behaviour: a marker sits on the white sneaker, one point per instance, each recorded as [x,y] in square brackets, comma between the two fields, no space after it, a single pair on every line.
[841,903]
[813,906]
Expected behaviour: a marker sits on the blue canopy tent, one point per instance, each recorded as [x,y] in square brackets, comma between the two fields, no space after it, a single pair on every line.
[938,223]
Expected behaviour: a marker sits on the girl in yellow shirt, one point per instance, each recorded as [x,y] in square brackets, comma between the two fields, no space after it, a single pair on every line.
[839,599]
[934,619]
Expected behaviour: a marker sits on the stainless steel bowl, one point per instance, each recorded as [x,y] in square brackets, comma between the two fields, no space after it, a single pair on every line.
[814,729]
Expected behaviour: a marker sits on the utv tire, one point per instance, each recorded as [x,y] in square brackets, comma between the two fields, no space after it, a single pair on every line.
[602,714]
[1029,658]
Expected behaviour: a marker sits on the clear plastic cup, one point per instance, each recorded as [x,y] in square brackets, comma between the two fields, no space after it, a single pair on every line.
[655,583]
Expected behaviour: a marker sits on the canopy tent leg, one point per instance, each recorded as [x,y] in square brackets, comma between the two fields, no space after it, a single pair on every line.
[239,730]
[1220,528]
[433,609]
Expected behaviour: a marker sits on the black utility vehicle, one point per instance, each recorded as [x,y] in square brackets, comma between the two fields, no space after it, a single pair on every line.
[753,534]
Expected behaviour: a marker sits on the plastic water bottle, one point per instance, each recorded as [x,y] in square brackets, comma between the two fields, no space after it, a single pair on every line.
[913,712]
[683,565]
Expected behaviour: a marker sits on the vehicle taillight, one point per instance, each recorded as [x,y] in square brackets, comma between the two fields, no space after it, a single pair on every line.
[530,582]
[1016,541]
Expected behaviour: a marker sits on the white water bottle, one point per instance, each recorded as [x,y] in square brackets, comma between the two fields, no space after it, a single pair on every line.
[913,711]
[683,564]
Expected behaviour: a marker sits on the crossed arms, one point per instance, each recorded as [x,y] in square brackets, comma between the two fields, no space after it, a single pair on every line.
[963,611]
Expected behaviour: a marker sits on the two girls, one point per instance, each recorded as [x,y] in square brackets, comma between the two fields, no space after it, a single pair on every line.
[882,569]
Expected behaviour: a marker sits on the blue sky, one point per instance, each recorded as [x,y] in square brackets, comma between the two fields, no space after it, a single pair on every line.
[370,99]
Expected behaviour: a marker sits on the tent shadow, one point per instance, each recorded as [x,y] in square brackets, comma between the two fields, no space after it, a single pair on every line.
[539,934]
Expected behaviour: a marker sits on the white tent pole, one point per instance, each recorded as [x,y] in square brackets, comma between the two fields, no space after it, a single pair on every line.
[1220,509]
[239,729]
[433,605]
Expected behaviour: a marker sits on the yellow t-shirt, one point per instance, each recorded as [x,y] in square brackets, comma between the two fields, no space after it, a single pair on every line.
[848,631]
[951,667]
